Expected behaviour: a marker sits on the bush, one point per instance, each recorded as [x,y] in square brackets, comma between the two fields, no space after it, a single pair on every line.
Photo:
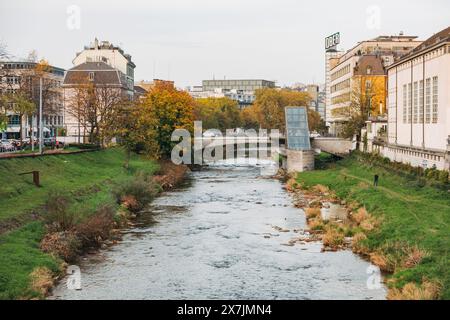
[57,215]
[443,176]
[96,228]
[136,193]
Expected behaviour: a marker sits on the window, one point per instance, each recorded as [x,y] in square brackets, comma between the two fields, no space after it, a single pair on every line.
[405,95]
[91,76]
[435,99]
[369,70]
[415,102]
[421,101]
[409,102]
[428,100]
[14,120]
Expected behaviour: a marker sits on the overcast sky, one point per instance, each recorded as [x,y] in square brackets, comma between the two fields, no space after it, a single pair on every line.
[191,40]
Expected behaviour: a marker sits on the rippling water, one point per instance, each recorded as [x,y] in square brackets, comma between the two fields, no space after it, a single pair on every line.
[214,239]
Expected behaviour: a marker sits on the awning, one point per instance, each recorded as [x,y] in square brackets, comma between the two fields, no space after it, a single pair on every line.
[13,129]
[44,130]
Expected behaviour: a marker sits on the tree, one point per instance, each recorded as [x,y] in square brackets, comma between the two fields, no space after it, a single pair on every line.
[217,113]
[249,117]
[96,109]
[366,92]
[270,104]
[22,106]
[163,110]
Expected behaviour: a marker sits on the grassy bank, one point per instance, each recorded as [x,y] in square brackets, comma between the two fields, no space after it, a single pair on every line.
[89,180]
[411,214]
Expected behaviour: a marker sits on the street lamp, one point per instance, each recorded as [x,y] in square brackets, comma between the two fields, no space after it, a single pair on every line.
[40,117]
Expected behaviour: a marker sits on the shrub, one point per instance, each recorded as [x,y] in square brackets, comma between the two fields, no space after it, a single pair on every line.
[360,215]
[57,215]
[136,193]
[333,238]
[443,176]
[96,228]
[316,224]
[358,243]
[411,291]
[65,245]
[312,212]
[41,281]
[413,256]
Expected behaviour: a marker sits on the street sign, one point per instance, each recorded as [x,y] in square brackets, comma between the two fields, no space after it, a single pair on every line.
[297,131]
[332,41]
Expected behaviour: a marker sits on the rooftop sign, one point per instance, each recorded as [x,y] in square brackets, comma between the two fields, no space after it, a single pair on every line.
[332,41]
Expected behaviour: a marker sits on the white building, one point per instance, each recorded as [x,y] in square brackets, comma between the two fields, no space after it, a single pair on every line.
[20,76]
[114,56]
[340,69]
[419,105]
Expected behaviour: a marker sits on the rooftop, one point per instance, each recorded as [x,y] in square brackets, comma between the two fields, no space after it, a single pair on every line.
[436,39]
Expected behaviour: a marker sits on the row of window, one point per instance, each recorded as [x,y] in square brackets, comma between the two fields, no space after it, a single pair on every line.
[340,72]
[10,80]
[340,86]
[341,98]
[413,101]
[53,120]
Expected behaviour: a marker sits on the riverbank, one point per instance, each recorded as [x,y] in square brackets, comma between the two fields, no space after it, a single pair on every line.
[401,225]
[83,201]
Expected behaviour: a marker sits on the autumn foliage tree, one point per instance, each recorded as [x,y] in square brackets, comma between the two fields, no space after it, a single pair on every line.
[163,109]
[365,96]
[270,104]
[217,113]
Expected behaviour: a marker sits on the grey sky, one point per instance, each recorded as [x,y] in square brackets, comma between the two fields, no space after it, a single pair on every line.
[191,40]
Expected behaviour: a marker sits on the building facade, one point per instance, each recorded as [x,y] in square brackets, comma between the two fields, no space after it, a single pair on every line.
[368,58]
[108,83]
[242,91]
[419,105]
[114,56]
[21,76]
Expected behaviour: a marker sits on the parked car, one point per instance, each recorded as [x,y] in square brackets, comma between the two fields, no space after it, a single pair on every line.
[52,142]
[7,146]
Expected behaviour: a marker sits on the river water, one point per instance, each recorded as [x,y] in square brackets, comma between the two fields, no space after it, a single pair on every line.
[214,238]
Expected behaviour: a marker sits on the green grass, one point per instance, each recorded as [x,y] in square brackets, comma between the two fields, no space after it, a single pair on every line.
[411,214]
[19,255]
[88,178]
[74,174]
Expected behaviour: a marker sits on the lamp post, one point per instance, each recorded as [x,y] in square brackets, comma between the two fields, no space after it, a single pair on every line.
[40,117]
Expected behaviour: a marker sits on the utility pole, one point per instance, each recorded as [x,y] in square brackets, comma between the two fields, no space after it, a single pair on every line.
[40,117]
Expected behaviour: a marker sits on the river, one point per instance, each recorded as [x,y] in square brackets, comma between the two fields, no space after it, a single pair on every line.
[214,238]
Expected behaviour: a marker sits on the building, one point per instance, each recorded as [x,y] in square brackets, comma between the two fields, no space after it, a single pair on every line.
[104,51]
[18,76]
[331,60]
[102,76]
[317,94]
[368,59]
[242,91]
[248,85]
[419,105]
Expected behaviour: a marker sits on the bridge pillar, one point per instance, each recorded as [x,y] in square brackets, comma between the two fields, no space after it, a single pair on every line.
[299,160]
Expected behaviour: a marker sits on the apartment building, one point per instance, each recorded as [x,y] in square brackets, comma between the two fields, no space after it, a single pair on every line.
[369,58]
[22,76]
[114,56]
[242,91]
[98,74]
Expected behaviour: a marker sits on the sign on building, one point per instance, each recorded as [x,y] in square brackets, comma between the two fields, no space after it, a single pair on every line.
[297,131]
[332,41]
